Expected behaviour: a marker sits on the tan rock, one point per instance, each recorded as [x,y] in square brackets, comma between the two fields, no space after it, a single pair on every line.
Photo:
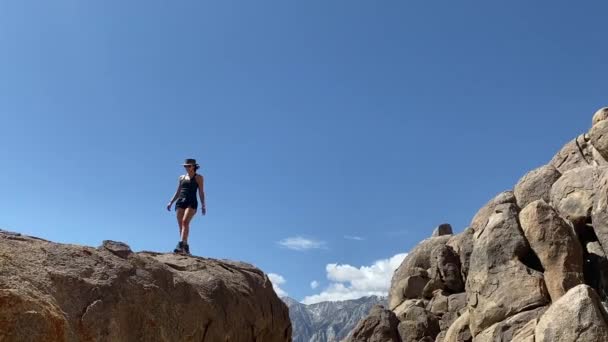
[409,287]
[27,314]
[402,308]
[445,272]
[556,245]
[462,244]
[576,316]
[573,193]
[599,213]
[439,304]
[481,217]
[507,329]
[457,305]
[414,265]
[446,265]
[594,247]
[418,324]
[600,115]
[457,302]
[506,291]
[379,326]
[59,292]
[459,330]
[576,153]
[599,137]
[536,185]
[499,285]
[526,333]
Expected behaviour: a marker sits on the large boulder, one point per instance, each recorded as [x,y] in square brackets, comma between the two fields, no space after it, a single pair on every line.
[556,245]
[572,195]
[400,311]
[410,287]
[409,280]
[536,185]
[480,219]
[576,316]
[381,325]
[59,292]
[499,285]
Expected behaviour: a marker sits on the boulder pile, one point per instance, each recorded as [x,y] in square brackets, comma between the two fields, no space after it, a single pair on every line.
[530,267]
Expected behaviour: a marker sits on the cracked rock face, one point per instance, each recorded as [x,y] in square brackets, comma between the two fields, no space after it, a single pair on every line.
[59,292]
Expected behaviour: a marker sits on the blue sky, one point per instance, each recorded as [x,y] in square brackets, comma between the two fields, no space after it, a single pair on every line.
[352,128]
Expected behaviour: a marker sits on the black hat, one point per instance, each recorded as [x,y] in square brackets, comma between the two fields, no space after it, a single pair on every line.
[190,162]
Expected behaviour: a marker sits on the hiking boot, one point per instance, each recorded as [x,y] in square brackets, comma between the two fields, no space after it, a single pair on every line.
[179,248]
[186,248]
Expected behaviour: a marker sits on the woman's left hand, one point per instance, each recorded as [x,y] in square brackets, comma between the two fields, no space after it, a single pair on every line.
[204,210]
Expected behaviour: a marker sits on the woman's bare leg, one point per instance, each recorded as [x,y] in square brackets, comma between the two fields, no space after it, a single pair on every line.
[188,214]
[180,219]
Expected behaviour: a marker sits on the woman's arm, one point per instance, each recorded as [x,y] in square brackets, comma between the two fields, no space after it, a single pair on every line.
[201,193]
[179,187]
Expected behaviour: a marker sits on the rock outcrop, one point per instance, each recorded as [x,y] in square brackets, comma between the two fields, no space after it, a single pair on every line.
[381,325]
[61,292]
[533,260]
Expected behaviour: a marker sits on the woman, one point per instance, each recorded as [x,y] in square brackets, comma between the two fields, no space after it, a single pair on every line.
[186,204]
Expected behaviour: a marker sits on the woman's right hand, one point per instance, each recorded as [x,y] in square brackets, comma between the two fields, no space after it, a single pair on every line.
[169,206]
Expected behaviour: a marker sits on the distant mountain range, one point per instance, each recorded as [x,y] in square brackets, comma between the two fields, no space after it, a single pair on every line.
[328,321]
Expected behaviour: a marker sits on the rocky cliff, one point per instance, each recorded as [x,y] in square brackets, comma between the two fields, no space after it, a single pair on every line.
[328,321]
[60,292]
[531,266]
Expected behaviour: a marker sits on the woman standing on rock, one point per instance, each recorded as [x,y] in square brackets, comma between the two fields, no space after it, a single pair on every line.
[186,204]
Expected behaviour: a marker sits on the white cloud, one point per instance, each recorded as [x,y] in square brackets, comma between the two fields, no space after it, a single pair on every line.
[349,282]
[314,284]
[351,237]
[277,280]
[299,243]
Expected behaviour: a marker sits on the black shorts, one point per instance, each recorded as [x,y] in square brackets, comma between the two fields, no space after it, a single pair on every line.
[186,203]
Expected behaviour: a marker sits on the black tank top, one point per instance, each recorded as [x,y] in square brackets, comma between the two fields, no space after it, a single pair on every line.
[188,188]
